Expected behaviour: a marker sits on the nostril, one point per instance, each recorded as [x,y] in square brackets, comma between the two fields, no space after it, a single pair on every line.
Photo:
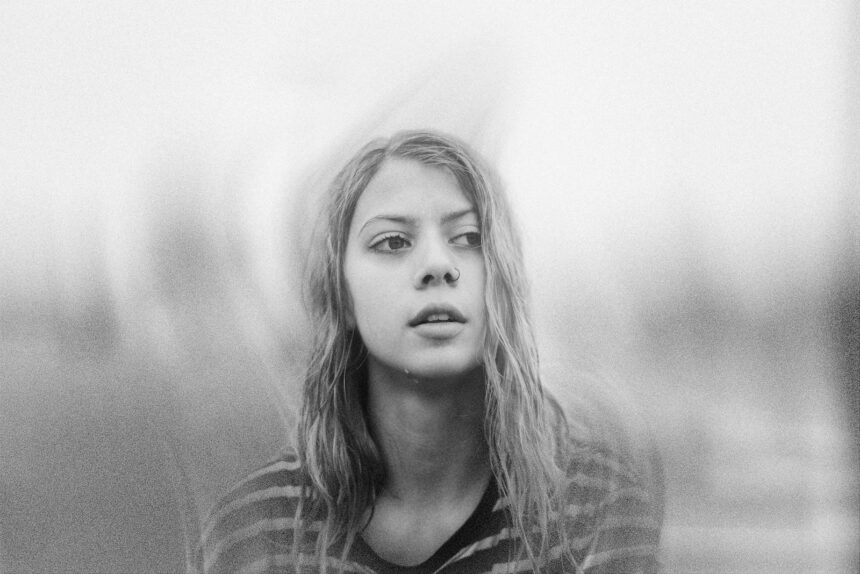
[441,275]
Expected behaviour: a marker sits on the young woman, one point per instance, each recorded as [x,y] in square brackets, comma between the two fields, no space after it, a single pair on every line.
[426,442]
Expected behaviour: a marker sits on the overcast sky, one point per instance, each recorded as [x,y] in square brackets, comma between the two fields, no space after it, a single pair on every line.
[625,130]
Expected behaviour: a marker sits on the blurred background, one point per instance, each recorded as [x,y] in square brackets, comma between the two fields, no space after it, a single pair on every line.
[686,181]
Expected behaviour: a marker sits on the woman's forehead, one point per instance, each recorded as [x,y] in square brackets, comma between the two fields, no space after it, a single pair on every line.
[407,187]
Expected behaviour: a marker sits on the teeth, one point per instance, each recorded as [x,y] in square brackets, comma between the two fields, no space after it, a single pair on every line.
[438,317]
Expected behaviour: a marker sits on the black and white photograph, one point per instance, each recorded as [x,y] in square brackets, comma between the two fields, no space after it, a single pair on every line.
[434,287]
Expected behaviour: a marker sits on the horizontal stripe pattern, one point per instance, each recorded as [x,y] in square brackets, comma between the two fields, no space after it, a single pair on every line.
[308,564]
[610,526]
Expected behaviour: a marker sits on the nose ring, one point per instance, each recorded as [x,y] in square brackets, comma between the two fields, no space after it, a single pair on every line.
[454,278]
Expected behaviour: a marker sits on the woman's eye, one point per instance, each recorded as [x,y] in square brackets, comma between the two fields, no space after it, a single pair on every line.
[469,239]
[393,242]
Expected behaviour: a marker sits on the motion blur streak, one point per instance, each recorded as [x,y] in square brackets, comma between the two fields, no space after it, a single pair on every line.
[686,179]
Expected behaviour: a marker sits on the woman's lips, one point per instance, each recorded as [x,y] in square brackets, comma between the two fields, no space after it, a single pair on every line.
[437,314]
[438,321]
[439,329]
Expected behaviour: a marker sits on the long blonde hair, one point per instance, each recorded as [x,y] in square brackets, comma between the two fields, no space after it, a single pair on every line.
[341,462]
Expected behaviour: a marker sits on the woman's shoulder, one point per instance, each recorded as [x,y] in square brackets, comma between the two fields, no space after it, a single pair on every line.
[259,510]
[614,502]
[282,471]
[603,453]
[598,446]
[595,470]
[279,478]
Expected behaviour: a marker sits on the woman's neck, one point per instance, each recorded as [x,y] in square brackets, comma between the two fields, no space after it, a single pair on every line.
[430,434]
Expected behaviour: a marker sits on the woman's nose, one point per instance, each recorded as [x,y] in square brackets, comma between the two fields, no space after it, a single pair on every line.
[437,266]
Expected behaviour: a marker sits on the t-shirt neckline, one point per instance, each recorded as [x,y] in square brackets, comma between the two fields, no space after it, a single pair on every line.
[364,554]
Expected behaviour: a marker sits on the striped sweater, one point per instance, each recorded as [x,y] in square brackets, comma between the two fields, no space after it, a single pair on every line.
[612,527]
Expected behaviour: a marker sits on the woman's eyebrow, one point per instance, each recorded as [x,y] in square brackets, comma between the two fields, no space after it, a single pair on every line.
[408,220]
[405,220]
[454,215]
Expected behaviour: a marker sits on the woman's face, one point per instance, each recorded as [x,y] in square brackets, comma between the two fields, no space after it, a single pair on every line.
[415,272]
